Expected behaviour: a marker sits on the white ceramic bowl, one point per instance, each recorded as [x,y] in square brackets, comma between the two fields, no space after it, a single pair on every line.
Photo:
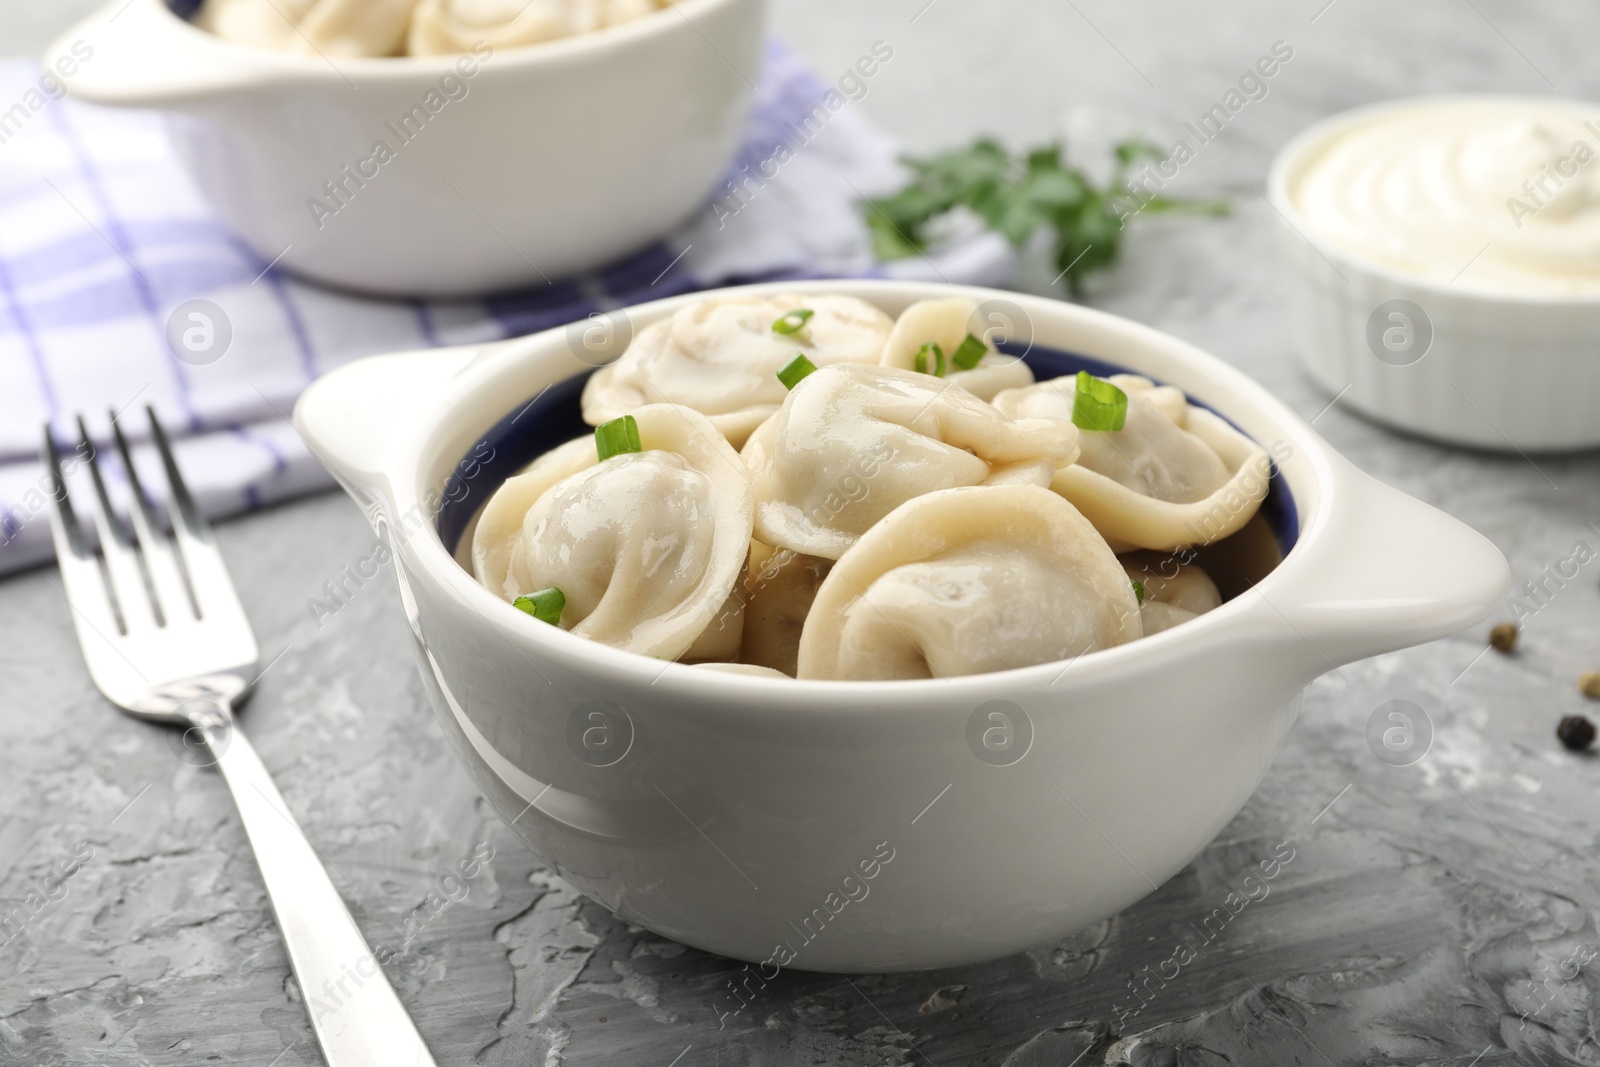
[557,158]
[739,815]
[1503,371]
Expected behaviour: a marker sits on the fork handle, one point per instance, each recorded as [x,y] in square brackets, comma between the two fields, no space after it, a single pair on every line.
[359,1020]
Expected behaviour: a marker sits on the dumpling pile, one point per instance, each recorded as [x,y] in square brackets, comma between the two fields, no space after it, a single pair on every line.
[722,357]
[410,27]
[852,443]
[802,486]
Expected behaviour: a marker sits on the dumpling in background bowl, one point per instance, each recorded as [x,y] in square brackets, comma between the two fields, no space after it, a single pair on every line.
[852,443]
[452,26]
[966,581]
[644,547]
[1174,475]
[410,27]
[312,27]
[721,357]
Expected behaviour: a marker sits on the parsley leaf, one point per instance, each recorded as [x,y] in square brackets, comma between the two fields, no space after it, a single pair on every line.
[1018,197]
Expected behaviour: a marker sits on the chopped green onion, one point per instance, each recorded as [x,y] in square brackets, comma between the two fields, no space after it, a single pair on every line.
[795,369]
[616,437]
[938,360]
[969,353]
[1138,590]
[545,605]
[1098,405]
[793,322]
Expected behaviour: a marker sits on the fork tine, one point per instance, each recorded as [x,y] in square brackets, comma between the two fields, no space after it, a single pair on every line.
[117,548]
[64,515]
[214,595]
[188,523]
[86,588]
[173,597]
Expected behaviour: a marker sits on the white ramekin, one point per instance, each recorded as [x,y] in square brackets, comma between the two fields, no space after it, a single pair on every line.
[1503,371]
[558,158]
[743,814]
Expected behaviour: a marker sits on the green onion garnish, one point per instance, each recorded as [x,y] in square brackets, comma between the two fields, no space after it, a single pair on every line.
[796,369]
[1138,590]
[1098,405]
[616,437]
[969,353]
[545,605]
[938,360]
[793,322]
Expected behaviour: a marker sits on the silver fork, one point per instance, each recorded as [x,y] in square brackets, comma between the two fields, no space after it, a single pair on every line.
[166,639]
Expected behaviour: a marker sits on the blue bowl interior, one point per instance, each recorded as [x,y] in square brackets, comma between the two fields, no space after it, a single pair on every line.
[527,432]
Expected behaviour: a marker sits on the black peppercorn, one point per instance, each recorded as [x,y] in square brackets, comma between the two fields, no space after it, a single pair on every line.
[1503,638]
[1576,732]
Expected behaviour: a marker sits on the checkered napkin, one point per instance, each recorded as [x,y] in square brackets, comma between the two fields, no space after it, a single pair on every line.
[102,236]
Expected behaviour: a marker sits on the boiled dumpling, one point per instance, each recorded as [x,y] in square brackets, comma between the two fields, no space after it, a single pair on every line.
[1174,475]
[947,322]
[450,26]
[852,443]
[645,547]
[1173,592]
[963,581]
[1154,454]
[443,27]
[723,636]
[743,668]
[779,587]
[311,27]
[722,357]
[261,23]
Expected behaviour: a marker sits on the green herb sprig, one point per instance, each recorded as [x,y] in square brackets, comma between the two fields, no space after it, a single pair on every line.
[1017,197]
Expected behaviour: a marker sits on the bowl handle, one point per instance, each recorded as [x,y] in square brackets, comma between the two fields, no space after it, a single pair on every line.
[138,53]
[1385,572]
[353,417]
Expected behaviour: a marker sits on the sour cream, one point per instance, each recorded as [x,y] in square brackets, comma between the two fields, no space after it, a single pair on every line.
[1495,194]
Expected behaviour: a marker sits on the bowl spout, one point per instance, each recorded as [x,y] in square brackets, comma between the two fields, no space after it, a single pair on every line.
[138,53]
[1388,572]
[353,418]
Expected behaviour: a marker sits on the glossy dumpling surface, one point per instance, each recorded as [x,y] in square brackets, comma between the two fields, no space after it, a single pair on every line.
[1174,592]
[851,443]
[1174,475]
[311,27]
[965,581]
[646,546]
[946,322]
[721,357]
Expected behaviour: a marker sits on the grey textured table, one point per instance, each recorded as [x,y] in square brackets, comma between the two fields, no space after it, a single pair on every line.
[1422,904]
